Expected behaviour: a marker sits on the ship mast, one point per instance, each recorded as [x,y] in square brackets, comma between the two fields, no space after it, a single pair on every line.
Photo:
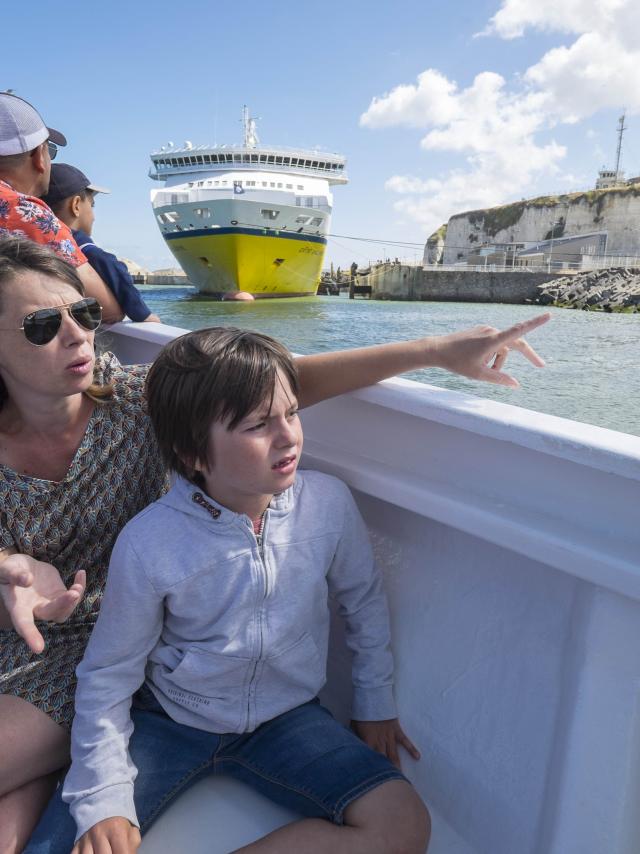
[249,126]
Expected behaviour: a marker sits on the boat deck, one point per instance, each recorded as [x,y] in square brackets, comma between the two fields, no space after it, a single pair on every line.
[510,546]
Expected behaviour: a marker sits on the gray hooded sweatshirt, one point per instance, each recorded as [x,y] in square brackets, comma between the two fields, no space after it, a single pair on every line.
[228,630]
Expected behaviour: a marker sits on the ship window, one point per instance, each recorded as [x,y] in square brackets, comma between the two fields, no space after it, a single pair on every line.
[289,186]
[309,201]
[254,158]
[223,182]
[170,216]
[263,158]
[200,159]
[279,161]
[315,164]
[300,187]
[280,186]
[268,213]
[270,158]
[264,183]
[302,219]
[317,220]
[204,213]
[272,184]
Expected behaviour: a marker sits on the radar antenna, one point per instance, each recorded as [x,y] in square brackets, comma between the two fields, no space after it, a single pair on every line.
[621,129]
[249,126]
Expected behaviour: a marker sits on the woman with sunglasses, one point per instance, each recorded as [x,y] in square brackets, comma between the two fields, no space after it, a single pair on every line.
[78,459]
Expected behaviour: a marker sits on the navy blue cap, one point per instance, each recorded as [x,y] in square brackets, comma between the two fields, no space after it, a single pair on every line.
[68,181]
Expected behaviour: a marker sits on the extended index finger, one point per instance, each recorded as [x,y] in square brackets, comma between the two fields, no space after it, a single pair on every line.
[520,329]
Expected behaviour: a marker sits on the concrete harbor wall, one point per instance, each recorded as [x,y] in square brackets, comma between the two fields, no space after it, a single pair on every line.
[404,282]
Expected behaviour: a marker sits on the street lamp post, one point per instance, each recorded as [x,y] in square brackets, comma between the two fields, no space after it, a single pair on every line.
[555,224]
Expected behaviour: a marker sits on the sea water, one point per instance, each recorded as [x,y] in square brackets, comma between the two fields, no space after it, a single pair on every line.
[593,359]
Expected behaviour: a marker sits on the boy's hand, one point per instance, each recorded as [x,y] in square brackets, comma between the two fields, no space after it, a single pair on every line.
[385,736]
[480,353]
[152,318]
[111,836]
[33,590]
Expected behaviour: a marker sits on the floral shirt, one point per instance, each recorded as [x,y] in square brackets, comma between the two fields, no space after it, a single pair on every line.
[27,216]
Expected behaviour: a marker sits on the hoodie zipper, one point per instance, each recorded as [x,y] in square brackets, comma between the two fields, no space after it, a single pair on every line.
[265,579]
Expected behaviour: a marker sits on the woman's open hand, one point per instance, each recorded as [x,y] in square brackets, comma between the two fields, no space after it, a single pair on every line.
[480,352]
[33,590]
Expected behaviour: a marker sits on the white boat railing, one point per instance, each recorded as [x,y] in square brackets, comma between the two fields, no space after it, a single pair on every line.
[510,545]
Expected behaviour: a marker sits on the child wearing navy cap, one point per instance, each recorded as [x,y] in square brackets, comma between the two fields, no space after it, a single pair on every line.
[71,197]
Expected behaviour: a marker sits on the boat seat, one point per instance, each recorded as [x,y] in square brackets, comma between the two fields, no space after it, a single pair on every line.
[220,814]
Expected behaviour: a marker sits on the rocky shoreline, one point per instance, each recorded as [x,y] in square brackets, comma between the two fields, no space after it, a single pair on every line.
[616,289]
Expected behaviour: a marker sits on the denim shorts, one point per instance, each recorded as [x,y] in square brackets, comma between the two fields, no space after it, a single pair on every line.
[304,760]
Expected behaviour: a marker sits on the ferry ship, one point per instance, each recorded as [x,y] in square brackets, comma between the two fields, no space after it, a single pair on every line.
[249,219]
[510,546]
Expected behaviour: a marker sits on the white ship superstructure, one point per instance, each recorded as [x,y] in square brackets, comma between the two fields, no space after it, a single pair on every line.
[249,218]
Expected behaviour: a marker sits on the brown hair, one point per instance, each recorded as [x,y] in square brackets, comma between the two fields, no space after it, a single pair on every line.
[20,256]
[216,374]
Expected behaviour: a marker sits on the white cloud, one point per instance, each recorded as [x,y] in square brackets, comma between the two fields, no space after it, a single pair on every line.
[497,125]
[570,16]
[430,101]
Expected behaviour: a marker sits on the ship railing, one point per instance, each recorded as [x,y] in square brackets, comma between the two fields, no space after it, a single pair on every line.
[160,172]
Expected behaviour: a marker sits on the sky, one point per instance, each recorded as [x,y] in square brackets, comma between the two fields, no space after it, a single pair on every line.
[438,107]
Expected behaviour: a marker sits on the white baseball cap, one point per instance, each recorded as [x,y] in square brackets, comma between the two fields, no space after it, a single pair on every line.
[22,128]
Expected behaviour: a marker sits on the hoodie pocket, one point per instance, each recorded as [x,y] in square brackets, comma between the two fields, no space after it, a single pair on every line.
[212,675]
[297,672]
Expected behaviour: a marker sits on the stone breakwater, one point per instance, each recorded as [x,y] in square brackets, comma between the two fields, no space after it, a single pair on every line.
[613,289]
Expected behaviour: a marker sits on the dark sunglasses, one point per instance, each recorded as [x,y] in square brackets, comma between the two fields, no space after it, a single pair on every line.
[41,326]
[53,149]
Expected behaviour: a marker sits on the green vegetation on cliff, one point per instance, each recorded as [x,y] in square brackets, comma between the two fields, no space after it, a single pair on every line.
[494,220]
[440,234]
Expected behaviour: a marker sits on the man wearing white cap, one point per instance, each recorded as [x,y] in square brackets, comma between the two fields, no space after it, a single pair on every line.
[27,147]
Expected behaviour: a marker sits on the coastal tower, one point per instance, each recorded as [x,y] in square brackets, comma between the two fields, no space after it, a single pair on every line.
[251,218]
[613,177]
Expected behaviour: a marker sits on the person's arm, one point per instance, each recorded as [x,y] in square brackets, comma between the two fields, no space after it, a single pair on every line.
[356,583]
[95,287]
[478,353]
[116,275]
[99,785]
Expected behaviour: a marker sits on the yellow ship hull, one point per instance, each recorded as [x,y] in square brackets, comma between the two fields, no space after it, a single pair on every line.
[261,262]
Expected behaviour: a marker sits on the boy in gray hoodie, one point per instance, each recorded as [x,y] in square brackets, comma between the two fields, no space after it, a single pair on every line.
[217,605]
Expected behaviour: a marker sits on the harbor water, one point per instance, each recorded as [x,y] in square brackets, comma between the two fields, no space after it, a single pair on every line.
[593,359]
